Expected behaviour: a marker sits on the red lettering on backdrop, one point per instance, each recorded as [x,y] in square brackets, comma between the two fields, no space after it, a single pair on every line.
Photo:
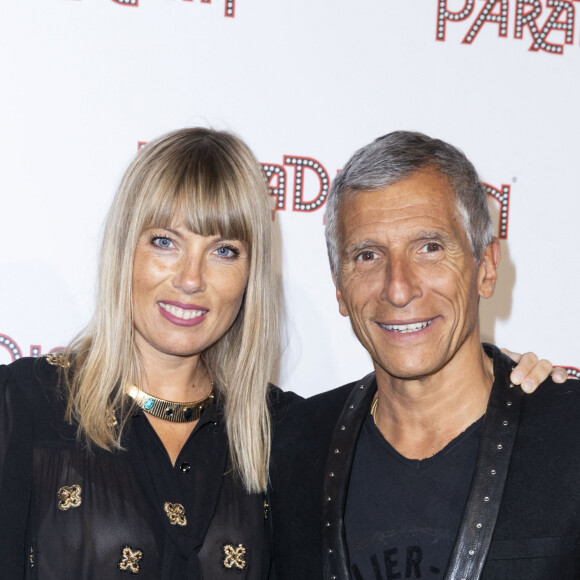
[487,14]
[560,9]
[15,351]
[230,6]
[230,10]
[276,180]
[10,345]
[502,196]
[445,14]
[556,15]
[307,163]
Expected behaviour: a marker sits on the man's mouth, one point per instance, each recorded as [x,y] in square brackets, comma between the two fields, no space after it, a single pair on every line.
[405,328]
[181,313]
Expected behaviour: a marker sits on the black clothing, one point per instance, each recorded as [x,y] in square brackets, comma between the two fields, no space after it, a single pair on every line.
[536,536]
[401,514]
[66,512]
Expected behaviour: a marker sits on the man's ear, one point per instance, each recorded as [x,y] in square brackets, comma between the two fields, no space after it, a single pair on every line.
[487,272]
[341,305]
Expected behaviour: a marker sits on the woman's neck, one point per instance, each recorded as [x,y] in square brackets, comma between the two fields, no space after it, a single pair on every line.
[179,379]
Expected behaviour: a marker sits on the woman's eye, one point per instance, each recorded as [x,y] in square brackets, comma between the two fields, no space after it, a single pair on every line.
[227,252]
[161,242]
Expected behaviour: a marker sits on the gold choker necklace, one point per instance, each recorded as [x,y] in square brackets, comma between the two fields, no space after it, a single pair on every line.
[168,410]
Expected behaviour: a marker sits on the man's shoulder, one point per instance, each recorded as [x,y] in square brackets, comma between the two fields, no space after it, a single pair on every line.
[330,403]
[548,398]
[278,397]
[554,399]
[333,397]
[314,418]
[549,425]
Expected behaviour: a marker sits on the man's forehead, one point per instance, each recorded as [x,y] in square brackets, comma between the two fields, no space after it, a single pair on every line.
[428,179]
[424,191]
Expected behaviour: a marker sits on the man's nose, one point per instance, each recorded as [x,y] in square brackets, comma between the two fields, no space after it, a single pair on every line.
[401,285]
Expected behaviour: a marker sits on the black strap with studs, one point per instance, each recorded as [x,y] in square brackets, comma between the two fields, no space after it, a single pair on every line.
[498,436]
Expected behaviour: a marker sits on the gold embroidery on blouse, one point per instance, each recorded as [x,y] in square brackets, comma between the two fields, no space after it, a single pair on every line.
[111,418]
[234,556]
[130,560]
[57,359]
[176,513]
[69,497]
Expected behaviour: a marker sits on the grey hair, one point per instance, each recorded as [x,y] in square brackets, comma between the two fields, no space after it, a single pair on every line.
[395,157]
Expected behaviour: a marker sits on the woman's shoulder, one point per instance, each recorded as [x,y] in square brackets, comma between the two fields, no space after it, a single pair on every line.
[30,392]
[32,377]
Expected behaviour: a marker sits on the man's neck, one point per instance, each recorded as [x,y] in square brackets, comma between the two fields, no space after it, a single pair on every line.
[419,417]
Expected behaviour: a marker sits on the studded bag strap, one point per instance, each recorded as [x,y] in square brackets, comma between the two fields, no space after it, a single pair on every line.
[495,450]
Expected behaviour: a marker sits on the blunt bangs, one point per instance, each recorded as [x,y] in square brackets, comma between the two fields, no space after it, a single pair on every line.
[204,188]
[205,212]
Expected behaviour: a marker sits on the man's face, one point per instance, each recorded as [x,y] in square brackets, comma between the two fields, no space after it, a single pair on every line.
[407,277]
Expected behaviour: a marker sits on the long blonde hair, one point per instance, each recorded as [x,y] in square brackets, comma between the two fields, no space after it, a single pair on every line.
[215,183]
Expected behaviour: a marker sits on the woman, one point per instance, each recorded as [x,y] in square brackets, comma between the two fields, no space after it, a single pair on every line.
[105,470]
[143,448]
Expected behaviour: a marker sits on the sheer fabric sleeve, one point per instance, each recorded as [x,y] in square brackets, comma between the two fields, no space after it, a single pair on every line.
[6,419]
[15,475]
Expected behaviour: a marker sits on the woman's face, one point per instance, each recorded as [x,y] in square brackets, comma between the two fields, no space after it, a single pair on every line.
[187,290]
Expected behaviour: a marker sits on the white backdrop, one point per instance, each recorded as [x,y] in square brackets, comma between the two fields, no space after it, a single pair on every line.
[305,83]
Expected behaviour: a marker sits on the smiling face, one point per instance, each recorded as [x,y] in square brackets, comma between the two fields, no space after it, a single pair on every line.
[407,277]
[187,290]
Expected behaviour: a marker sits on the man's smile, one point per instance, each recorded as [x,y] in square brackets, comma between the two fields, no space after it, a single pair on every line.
[405,328]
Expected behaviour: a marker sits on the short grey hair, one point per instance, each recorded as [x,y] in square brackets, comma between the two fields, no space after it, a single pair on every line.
[395,157]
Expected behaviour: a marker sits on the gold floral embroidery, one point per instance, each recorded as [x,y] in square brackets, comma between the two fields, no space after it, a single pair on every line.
[130,560]
[234,556]
[176,513]
[111,418]
[57,359]
[69,497]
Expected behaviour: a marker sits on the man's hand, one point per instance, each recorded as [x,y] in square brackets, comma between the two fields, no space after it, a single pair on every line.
[530,371]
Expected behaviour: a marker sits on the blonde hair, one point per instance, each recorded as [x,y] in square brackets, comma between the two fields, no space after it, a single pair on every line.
[214,182]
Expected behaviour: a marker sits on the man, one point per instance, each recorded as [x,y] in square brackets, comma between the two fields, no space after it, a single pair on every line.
[433,466]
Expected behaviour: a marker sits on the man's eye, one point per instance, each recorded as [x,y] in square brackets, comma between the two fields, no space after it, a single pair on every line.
[432,247]
[366,256]
[161,242]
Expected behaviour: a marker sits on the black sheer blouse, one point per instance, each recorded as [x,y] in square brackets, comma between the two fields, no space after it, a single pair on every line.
[68,513]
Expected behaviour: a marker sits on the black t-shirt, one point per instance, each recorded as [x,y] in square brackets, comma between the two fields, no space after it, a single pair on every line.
[402,515]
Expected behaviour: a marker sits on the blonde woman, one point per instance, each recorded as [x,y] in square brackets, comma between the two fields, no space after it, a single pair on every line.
[143,448]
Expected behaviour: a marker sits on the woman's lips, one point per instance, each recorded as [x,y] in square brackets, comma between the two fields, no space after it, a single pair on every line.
[182,314]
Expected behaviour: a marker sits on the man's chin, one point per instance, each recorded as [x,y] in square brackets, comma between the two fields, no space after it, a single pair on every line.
[408,372]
